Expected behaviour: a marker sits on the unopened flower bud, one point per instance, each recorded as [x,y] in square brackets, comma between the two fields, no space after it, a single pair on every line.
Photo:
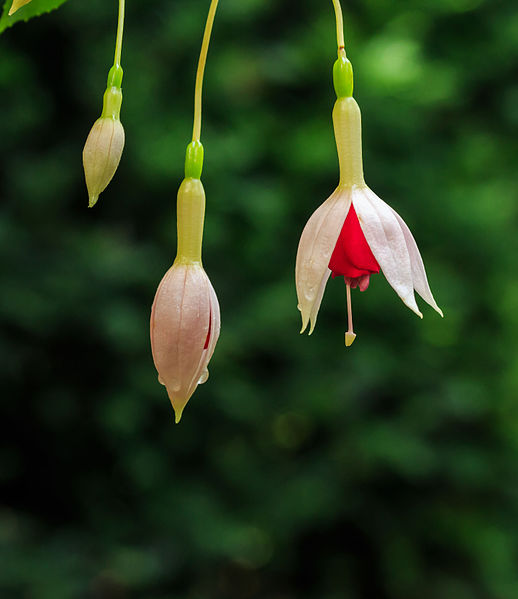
[105,142]
[185,325]
[185,318]
[16,5]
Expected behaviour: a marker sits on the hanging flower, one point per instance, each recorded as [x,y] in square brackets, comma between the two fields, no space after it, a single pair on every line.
[103,148]
[354,233]
[185,317]
[105,142]
[185,325]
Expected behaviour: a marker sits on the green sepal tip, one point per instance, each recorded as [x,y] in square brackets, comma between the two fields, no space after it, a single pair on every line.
[115,76]
[194,160]
[343,77]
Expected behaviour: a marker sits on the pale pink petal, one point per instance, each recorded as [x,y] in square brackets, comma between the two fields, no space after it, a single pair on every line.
[387,242]
[202,373]
[418,270]
[318,301]
[316,245]
[179,325]
[363,282]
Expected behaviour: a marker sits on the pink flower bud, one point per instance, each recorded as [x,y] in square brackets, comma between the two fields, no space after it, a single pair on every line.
[185,325]
[104,145]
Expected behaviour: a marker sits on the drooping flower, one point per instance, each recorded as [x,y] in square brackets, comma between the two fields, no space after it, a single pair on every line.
[354,233]
[16,5]
[185,317]
[104,145]
[185,325]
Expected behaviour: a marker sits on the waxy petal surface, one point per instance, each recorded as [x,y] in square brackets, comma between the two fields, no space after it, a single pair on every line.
[352,256]
[185,307]
[418,270]
[202,373]
[101,155]
[387,242]
[316,246]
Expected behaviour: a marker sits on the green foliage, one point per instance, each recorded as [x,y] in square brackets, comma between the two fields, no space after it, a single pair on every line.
[34,9]
[301,470]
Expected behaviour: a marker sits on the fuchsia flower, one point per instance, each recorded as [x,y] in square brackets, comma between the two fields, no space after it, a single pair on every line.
[185,325]
[185,318]
[354,233]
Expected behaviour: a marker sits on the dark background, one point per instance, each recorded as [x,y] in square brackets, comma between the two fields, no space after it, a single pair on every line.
[300,469]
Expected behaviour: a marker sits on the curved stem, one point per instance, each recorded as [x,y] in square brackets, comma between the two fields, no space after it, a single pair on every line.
[120,29]
[339,27]
[196,131]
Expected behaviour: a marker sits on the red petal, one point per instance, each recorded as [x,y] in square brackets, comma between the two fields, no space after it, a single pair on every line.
[352,256]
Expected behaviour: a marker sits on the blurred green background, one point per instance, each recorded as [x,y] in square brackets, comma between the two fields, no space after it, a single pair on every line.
[301,469]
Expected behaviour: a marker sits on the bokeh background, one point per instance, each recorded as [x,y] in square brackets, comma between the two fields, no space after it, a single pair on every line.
[300,469]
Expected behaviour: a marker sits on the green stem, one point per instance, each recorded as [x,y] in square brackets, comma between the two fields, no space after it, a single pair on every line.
[339,28]
[196,132]
[120,29]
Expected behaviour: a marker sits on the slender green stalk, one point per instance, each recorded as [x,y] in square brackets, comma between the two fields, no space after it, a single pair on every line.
[196,132]
[120,30]
[339,28]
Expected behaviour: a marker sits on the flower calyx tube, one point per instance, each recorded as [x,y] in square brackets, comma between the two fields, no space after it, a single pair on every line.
[105,142]
[354,233]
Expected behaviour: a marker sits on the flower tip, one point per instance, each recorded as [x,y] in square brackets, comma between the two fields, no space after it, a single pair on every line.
[349,338]
[178,415]
[439,311]
[305,322]
[92,201]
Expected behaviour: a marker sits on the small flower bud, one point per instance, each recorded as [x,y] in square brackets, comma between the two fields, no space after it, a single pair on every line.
[16,5]
[105,142]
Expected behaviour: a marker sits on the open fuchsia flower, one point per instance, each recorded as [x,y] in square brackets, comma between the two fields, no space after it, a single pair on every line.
[354,233]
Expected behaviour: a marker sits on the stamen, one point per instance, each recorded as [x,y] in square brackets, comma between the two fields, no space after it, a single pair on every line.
[350,335]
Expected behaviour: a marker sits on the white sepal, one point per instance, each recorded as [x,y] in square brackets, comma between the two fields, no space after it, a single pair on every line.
[316,246]
[387,242]
[418,270]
